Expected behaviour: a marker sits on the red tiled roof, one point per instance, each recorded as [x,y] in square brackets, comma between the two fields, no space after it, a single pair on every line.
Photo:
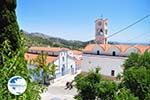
[89,48]
[76,52]
[105,46]
[53,49]
[142,48]
[122,48]
[30,57]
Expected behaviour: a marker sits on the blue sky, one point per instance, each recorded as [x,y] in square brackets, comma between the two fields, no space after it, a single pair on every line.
[74,19]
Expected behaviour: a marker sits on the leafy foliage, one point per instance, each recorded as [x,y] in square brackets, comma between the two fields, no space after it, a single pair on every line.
[91,86]
[136,75]
[132,61]
[16,65]
[137,80]
[106,90]
[9,29]
[137,60]
[48,69]
[125,94]
[12,51]
[86,85]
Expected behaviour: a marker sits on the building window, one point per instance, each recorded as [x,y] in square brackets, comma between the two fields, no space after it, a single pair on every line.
[112,72]
[106,31]
[63,59]
[64,65]
[114,53]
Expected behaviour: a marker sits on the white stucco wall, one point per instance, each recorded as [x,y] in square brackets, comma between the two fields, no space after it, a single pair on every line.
[106,63]
[97,48]
[56,62]
[113,49]
[130,50]
[65,62]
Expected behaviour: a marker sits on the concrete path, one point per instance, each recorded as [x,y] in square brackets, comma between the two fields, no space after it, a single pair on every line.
[57,91]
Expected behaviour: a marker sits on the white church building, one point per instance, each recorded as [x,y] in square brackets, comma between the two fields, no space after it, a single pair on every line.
[67,61]
[108,57]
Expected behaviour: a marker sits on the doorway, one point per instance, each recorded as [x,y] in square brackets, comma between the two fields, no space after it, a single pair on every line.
[63,70]
[114,53]
[112,72]
[98,53]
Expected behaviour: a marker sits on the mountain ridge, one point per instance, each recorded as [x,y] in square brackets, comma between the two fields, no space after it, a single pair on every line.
[40,39]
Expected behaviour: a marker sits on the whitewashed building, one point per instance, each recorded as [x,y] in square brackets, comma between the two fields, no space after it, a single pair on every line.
[109,65]
[67,61]
[108,57]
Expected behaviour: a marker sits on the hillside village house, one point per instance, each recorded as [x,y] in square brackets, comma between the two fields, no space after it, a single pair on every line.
[67,61]
[108,57]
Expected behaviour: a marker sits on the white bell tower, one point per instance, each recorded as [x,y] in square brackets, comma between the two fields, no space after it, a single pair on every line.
[101,31]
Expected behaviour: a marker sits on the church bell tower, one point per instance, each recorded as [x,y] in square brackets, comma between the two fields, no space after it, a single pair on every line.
[101,30]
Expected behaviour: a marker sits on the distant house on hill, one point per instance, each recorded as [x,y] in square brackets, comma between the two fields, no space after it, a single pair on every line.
[67,61]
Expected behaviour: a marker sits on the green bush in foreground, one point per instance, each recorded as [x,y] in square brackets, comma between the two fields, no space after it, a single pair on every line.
[16,65]
[12,51]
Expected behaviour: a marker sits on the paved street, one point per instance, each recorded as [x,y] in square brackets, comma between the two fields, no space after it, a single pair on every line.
[57,89]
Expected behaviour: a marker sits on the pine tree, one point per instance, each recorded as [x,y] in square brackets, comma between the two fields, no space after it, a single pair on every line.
[12,50]
[9,29]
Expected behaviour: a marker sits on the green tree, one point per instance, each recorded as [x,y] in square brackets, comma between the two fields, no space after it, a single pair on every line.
[86,85]
[147,96]
[137,60]
[48,69]
[106,90]
[91,86]
[12,51]
[52,69]
[137,80]
[132,60]
[136,75]
[16,65]
[125,94]
[9,29]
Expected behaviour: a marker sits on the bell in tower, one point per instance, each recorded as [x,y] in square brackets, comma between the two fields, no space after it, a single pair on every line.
[101,31]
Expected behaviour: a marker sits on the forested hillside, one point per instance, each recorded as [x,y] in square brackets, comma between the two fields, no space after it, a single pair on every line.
[40,39]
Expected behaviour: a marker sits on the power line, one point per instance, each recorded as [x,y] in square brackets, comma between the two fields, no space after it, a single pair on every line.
[129,26]
[139,36]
